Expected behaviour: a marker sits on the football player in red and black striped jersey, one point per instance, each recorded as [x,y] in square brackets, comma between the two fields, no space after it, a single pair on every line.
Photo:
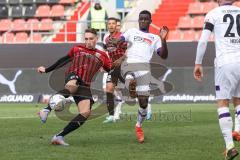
[115,53]
[85,61]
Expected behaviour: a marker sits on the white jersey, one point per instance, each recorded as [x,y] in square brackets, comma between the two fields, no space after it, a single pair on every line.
[226,21]
[105,37]
[141,45]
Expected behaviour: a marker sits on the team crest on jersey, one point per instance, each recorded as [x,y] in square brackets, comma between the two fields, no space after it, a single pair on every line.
[97,55]
[88,55]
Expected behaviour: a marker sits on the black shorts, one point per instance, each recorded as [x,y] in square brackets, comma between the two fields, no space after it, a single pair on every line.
[115,75]
[83,91]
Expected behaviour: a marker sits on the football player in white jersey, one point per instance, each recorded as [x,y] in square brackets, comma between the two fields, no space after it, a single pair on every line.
[142,45]
[224,22]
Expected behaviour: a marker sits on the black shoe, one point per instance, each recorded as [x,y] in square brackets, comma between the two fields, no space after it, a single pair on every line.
[231,154]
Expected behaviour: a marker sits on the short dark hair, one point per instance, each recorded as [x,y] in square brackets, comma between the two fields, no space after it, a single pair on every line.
[112,18]
[146,12]
[118,20]
[91,30]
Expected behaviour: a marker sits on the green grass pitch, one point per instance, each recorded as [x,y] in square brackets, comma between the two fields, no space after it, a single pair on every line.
[177,132]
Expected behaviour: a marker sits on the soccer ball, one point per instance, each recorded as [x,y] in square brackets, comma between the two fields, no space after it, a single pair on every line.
[57,102]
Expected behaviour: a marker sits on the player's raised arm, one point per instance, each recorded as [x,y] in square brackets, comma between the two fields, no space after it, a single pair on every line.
[163,51]
[59,63]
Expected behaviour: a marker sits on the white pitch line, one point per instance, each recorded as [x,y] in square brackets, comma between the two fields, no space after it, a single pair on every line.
[22,117]
[18,117]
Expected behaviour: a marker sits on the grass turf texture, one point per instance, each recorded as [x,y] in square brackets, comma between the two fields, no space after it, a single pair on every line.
[183,132]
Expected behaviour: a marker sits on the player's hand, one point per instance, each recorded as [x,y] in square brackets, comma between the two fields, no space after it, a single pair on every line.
[198,72]
[41,69]
[164,32]
[118,62]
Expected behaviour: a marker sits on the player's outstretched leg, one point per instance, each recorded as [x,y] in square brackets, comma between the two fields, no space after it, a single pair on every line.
[74,124]
[226,124]
[84,112]
[142,113]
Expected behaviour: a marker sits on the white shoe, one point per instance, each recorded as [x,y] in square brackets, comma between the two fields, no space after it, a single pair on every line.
[116,117]
[58,140]
[109,119]
[43,115]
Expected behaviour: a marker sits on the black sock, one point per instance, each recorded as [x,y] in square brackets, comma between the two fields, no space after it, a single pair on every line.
[65,92]
[110,103]
[73,125]
[48,108]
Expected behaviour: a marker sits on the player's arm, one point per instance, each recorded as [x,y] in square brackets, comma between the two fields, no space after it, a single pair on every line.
[163,50]
[201,49]
[104,45]
[119,61]
[59,63]
[107,64]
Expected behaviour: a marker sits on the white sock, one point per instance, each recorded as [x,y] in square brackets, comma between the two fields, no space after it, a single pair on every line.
[226,124]
[149,108]
[142,113]
[237,119]
[117,111]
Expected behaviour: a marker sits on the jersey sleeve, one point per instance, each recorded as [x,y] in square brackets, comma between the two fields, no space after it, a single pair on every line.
[209,21]
[105,38]
[126,35]
[210,18]
[157,44]
[107,63]
[71,52]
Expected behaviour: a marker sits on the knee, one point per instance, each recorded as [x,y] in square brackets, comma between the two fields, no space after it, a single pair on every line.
[85,112]
[236,101]
[109,88]
[223,103]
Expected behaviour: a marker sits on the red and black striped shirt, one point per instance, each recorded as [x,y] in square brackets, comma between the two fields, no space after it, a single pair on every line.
[119,51]
[84,62]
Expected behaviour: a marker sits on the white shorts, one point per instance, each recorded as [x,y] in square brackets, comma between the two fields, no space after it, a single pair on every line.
[227,81]
[104,81]
[141,73]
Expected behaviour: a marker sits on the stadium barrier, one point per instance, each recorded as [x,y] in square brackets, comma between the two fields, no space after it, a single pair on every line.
[19,81]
